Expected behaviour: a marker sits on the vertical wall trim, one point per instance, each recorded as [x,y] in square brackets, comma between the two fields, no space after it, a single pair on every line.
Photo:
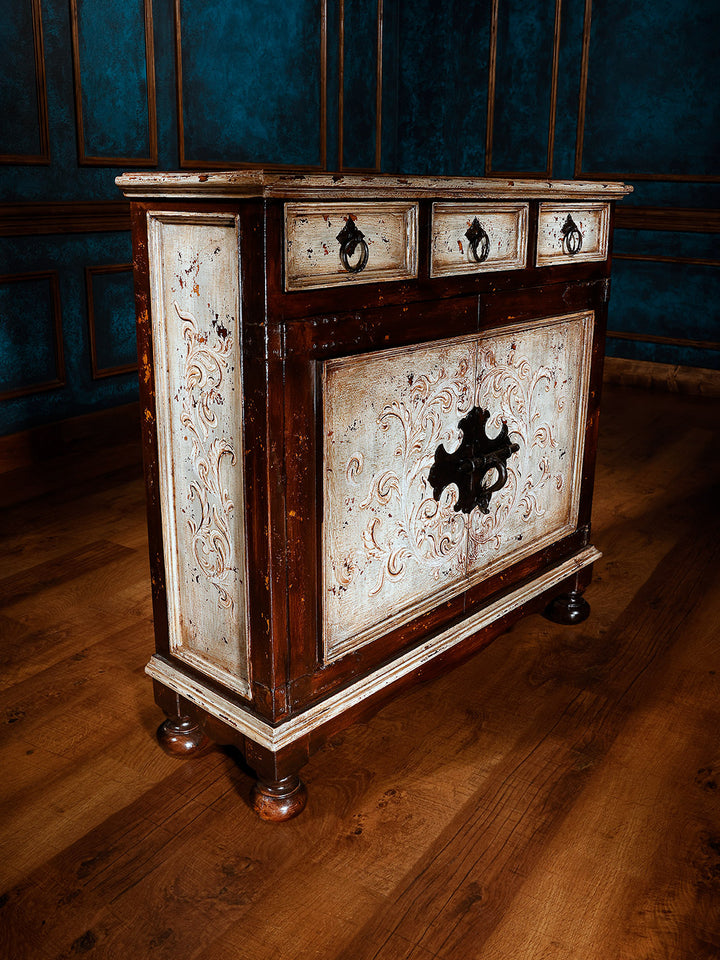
[492,66]
[95,161]
[583,87]
[41,94]
[341,79]
[492,63]
[378,89]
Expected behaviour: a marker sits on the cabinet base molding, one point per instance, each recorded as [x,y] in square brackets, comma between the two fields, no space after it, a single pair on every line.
[286,733]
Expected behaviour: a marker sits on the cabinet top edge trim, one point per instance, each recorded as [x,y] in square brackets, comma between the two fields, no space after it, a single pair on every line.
[259,183]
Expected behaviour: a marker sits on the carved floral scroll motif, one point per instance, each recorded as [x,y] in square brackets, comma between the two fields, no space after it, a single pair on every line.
[204,368]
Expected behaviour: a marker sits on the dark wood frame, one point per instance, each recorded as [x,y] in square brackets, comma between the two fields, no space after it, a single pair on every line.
[93,161]
[98,372]
[53,277]
[43,157]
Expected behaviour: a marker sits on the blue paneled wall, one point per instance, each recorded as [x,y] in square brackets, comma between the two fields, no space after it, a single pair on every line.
[575,88]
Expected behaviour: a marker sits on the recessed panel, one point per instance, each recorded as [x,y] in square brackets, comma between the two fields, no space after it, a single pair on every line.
[197,350]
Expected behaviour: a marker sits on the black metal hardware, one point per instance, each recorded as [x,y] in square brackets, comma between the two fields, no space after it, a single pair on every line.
[468,466]
[572,238]
[478,239]
[349,238]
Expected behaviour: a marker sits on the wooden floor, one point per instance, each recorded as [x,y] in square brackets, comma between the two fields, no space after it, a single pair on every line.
[556,797]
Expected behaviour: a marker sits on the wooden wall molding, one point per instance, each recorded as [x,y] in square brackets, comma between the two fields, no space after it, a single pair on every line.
[378,91]
[662,376]
[59,380]
[492,65]
[188,164]
[41,92]
[581,174]
[676,219]
[93,161]
[98,372]
[34,219]
[668,341]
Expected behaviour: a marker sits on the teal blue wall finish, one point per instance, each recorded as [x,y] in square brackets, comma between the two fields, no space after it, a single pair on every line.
[113,78]
[28,356]
[19,115]
[251,81]
[262,84]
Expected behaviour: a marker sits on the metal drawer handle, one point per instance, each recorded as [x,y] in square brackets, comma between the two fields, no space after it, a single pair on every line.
[349,238]
[572,238]
[478,239]
[467,467]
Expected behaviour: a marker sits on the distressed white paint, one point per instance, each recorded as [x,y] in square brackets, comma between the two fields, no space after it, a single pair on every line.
[390,551]
[285,733]
[505,224]
[312,250]
[326,186]
[593,221]
[195,286]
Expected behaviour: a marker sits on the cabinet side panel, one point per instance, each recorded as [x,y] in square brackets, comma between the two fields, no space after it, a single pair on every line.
[194,280]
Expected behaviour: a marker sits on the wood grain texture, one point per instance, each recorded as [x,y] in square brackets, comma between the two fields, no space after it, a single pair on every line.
[554,797]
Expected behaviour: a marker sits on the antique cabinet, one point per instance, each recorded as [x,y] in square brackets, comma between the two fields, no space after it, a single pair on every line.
[370,410]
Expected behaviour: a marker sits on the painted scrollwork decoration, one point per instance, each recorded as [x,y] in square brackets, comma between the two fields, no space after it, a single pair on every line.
[468,467]
[204,369]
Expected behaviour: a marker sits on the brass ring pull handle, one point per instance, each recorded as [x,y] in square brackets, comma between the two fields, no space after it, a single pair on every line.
[479,241]
[468,466]
[350,238]
[572,238]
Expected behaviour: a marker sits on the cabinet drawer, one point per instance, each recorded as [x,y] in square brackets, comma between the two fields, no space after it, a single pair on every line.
[399,534]
[469,238]
[572,232]
[339,243]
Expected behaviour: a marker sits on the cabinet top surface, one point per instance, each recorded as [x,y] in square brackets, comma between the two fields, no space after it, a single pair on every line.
[329,186]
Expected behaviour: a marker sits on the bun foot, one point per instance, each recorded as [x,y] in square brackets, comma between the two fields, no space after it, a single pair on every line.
[181,737]
[569,608]
[279,800]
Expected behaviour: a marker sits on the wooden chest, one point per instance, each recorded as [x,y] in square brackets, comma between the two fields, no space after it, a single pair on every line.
[370,420]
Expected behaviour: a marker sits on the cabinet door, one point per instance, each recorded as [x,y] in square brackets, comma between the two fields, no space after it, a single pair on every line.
[534,377]
[390,550]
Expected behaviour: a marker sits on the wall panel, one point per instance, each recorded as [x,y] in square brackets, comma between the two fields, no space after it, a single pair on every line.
[114,80]
[24,136]
[251,83]
[31,350]
[111,319]
[360,83]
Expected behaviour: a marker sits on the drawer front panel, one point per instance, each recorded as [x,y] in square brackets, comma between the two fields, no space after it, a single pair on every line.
[314,255]
[391,551]
[567,227]
[197,358]
[503,224]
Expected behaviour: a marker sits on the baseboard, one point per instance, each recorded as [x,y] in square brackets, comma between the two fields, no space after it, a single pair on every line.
[80,449]
[662,376]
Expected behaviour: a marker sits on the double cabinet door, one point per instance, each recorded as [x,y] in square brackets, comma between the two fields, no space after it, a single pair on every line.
[404,431]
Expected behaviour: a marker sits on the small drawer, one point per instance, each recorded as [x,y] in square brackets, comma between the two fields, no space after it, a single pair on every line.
[572,232]
[473,238]
[340,243]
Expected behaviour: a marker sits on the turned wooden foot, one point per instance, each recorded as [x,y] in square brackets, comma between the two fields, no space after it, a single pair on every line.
[181,737]
[569,608]
[279,799]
